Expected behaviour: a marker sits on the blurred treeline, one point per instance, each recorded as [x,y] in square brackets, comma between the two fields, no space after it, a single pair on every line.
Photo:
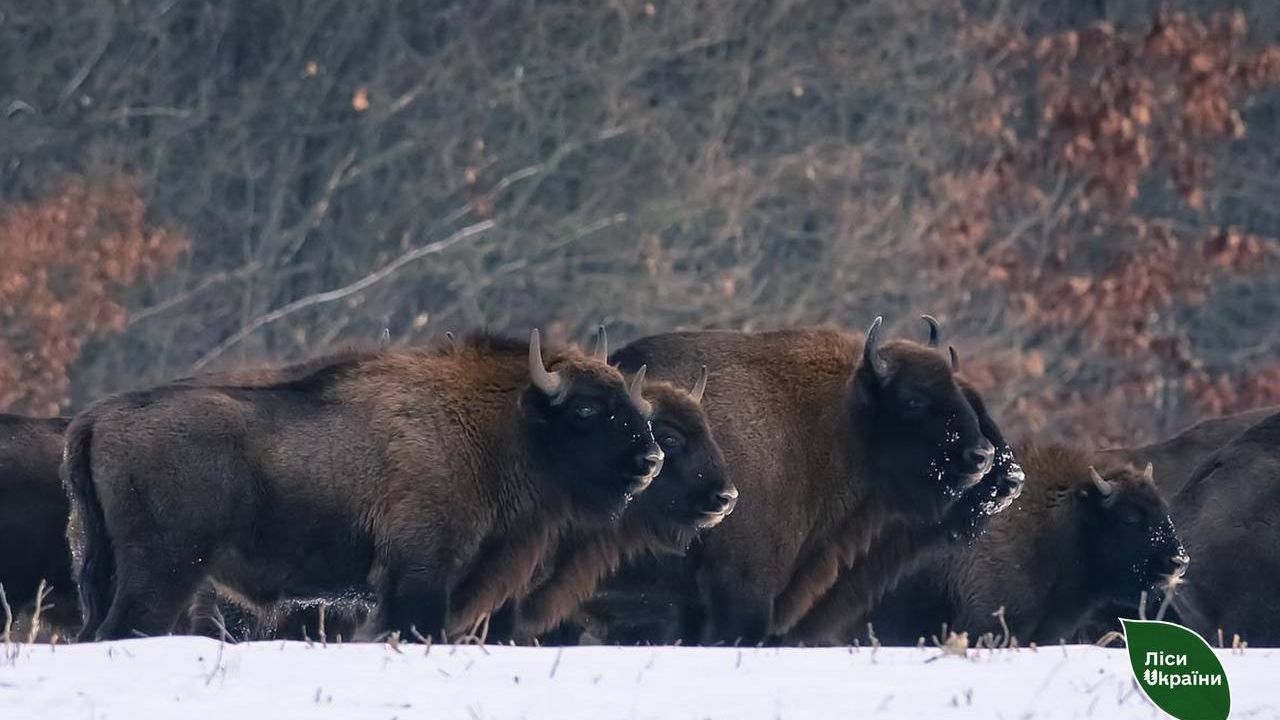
[1085,193]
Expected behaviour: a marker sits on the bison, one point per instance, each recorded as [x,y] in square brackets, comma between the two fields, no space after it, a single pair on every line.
[1224,513]
[904,547]
[830,438]
[1175,458]
[691,494]
[401,473]
[1077,538]
[33,518]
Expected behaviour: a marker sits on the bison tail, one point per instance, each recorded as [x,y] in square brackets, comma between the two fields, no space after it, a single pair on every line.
[93,558]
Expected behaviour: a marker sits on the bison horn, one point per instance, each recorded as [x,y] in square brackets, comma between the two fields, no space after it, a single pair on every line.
[955,359]
[385,338]
[601,350]
[934,331]
[700,386]
[637,390]
[1149,473]
[1105,488]
[549,383]
[871,350]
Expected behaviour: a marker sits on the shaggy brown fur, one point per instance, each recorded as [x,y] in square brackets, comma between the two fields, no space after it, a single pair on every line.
[401,473]
[1225,515]
[827,444]
[33,518]
[1064,549]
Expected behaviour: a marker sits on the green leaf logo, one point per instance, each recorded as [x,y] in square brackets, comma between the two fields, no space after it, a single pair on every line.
[1177,670]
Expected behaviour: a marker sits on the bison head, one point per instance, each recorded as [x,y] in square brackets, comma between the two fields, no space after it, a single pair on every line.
[926,446]
[693,492]
[593,426]
[1131,542]
[999,487]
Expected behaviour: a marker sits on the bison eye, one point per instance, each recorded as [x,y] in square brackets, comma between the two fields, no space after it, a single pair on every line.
[586,410]
[668,437]
[1130,517]
[914,403]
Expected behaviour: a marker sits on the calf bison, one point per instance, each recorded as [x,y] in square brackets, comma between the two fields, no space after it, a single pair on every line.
[1225,515]
[402,473]
[33,517]
[1074,540]
[691,494]
[829,437]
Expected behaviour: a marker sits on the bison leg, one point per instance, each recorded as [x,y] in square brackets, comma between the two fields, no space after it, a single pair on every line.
[502,623]
[151,595]
[415,604]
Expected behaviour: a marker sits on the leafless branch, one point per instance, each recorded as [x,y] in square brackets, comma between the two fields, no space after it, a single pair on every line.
[364,283]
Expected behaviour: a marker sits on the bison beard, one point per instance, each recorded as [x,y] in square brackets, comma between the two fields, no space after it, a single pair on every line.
[830,439]
[400,473]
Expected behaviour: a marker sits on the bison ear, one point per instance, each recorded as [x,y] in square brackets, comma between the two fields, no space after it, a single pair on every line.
[550,383]
[934,331]
[872,359]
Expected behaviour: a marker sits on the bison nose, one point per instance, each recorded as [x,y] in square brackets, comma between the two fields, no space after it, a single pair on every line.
[649,463]
[724,500]
[982,456]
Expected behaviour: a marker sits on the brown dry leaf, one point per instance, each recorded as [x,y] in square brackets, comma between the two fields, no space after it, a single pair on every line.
[1034,363]
[360,101]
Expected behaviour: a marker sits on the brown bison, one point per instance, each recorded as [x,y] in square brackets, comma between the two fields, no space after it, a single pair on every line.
[401,473]
[1224,514]
[33,517]
[830,438]
[1177,457]
[691,494]
[1074,540]
[904,547]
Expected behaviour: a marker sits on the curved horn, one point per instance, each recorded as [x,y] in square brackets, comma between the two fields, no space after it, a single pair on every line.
[934,331]
[1149,473]
[700,386]
[955,359]
[385,338]
[601,350]
[1105,488]
[871,350]
[637,390]
[548,382]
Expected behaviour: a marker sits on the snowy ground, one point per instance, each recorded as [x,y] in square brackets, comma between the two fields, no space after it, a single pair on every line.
[195,678]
